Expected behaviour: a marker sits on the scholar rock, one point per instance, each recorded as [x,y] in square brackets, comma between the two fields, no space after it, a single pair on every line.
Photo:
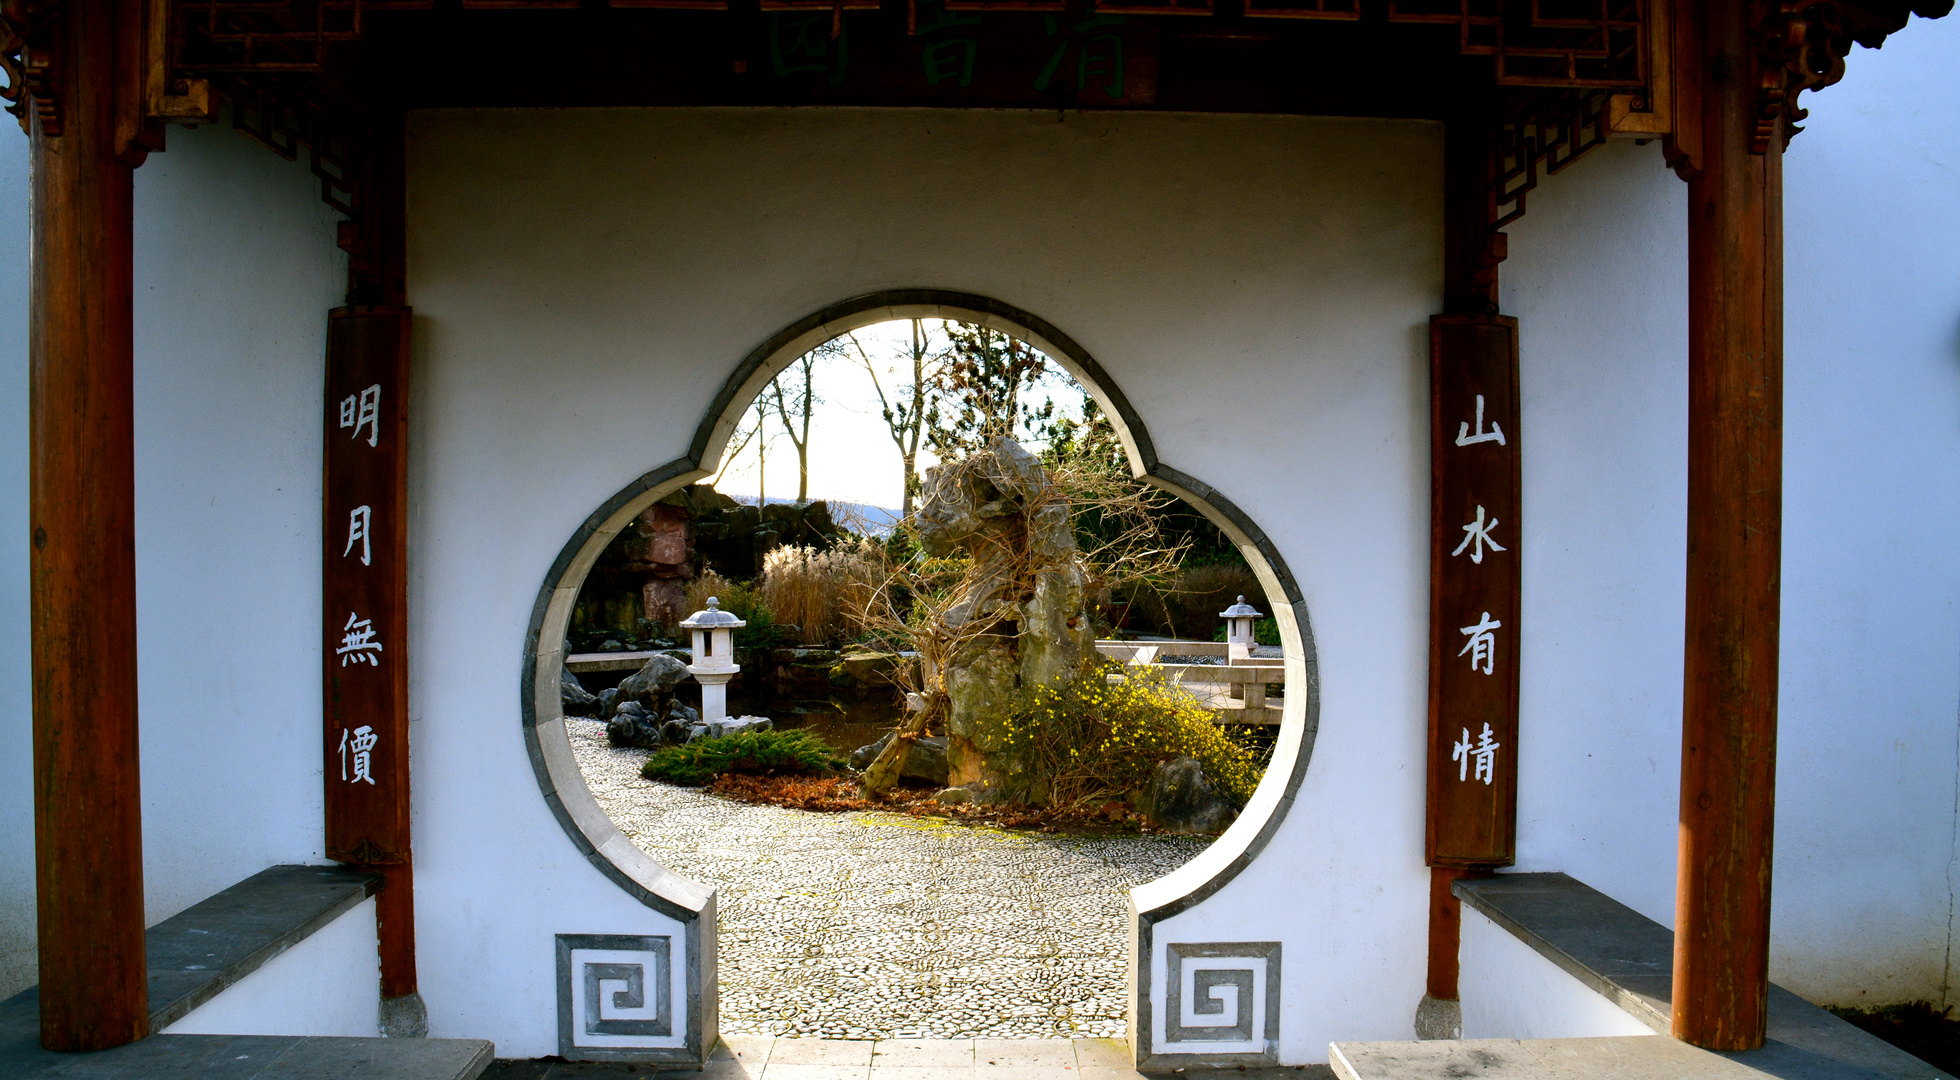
[608,698]
[1182,800]
[573,699]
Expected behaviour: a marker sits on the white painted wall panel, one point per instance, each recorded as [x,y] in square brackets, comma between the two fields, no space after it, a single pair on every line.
[235,269]
[328,984]
[579,304]
[1509,990]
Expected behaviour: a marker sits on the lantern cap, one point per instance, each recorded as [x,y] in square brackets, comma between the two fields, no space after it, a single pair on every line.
[712,619]
[1240,610]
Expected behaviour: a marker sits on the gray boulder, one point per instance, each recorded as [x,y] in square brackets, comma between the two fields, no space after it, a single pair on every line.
[681,725]
[1182,800]
[633,725]
[608,698]
[736,724]
[653,684]
[573,698]
[926,761]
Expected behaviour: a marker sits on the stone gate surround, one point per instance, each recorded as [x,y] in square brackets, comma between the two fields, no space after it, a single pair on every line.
[652,998]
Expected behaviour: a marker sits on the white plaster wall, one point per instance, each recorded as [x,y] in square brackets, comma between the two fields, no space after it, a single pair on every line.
[578,305]
[1870,682]
[17,956]
[235,269]
[1598,280]
[1509,990]
[328,984]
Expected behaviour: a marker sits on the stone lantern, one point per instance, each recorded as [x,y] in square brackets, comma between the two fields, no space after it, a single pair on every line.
[1238,630]
[714,657]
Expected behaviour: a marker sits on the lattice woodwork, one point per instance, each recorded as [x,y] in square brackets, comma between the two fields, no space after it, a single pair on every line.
[1153,7]
[1344,10]
[287,123]
[819,5]
[1563,43]
[269,35]
[1541,132]
[1050,6]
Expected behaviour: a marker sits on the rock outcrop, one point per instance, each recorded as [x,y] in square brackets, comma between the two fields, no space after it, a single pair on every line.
[1019,620]
[573,698]
[926,762]
[1182,800]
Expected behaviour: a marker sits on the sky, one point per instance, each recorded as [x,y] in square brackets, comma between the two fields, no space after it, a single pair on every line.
[852,455]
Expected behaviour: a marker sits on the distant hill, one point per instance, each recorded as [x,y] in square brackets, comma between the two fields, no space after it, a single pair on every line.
[858,517]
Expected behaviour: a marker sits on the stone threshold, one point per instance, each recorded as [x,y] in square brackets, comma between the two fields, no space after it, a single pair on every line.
[762,1057]
[194,955]
[1627,958]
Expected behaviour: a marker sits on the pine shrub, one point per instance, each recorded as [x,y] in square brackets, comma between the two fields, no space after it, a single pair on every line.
[762,752]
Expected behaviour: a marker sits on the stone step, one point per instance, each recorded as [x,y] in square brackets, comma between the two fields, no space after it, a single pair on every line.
[194,955]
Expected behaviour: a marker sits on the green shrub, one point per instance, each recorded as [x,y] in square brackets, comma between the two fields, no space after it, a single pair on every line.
[766,752]
[1097,738]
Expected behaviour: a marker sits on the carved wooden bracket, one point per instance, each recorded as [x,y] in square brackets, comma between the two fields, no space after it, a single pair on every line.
[1800,46]
[28,64]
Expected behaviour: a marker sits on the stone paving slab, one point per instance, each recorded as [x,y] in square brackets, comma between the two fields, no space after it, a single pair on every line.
[859,926]
[763,1058]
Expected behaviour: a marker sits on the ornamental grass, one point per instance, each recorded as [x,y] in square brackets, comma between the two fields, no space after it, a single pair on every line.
[818,590]
[768,753]
[1101,735]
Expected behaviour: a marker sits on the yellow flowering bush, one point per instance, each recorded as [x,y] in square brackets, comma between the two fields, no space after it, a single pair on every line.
[1101,735]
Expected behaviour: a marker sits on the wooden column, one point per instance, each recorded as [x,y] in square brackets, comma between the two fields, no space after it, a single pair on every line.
[1475,502]
[1735,477]
[88,843]
[365,559]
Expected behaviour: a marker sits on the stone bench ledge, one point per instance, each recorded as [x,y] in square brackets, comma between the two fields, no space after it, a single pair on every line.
[195,954]
[1628,958]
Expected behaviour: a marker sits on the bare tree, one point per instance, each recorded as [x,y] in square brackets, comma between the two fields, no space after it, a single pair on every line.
[794,405]
[905,410]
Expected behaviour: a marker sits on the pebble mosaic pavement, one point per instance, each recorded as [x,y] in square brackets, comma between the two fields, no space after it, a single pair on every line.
[867,925]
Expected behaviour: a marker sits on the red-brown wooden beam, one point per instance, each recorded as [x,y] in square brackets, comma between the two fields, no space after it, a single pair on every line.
[88,840]
[1735,481]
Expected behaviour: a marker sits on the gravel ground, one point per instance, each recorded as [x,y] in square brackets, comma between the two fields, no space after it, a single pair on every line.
[877,926]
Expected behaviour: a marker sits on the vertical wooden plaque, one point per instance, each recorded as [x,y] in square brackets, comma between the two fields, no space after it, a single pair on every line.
[1473,591]
[366,586]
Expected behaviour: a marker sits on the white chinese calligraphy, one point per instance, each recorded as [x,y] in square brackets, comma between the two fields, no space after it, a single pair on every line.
[1482,645]
[363,411]
[363,746]
[1483,754]
[357,532]
[1476,537]
[357,642]
[1463,436]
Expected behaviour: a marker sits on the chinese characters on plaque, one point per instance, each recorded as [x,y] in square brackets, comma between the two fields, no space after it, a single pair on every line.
[1474,588]
[364,582]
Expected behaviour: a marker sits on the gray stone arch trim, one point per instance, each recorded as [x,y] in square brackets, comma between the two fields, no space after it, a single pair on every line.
[660,888]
